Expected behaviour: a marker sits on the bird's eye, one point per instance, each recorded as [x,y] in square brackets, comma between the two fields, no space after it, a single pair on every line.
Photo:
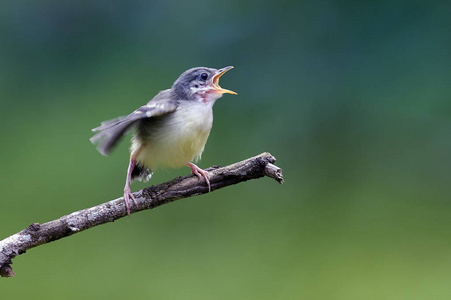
[204,76]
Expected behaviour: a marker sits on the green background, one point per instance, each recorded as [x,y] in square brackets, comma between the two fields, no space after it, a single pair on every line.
[352,97]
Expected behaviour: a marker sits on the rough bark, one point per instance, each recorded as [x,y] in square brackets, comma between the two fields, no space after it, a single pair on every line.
[153,196]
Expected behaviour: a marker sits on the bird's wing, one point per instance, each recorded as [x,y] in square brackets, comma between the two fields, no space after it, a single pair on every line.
[110,132]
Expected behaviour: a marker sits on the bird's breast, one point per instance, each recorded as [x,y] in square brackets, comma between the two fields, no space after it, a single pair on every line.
[174,139]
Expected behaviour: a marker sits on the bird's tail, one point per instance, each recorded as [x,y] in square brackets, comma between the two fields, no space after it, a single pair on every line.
[141,173]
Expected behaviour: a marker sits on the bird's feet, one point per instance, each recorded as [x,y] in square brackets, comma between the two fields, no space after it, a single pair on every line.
[127,195]
[127,192]
[200,173]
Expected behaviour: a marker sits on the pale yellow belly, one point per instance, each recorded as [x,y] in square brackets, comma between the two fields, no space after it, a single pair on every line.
[178,140]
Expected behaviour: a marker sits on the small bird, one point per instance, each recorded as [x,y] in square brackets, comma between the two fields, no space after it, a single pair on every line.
[170,130]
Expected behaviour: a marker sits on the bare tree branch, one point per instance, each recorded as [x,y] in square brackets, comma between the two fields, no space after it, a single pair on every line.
[182,187]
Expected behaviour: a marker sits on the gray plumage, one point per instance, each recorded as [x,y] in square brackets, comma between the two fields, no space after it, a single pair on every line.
[170,130]
[165,102]
[110,132]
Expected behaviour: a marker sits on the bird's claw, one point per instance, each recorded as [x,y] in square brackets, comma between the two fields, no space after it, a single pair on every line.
[127,195]
[200,174]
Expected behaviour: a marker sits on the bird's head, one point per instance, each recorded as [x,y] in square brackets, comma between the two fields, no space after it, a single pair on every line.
[200,84]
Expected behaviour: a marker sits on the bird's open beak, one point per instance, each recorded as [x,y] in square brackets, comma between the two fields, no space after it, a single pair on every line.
[215,81]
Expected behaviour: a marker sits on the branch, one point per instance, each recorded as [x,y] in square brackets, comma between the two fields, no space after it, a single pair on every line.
[153,196]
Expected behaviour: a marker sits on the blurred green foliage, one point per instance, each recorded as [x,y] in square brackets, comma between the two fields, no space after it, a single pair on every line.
[352,97]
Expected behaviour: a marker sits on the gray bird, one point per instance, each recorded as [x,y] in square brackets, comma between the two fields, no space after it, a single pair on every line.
[170,130]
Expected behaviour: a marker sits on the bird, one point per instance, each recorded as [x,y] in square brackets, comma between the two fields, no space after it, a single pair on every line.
[171,130]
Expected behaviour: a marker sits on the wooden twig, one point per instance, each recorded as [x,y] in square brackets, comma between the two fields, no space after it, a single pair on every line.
[182,187]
